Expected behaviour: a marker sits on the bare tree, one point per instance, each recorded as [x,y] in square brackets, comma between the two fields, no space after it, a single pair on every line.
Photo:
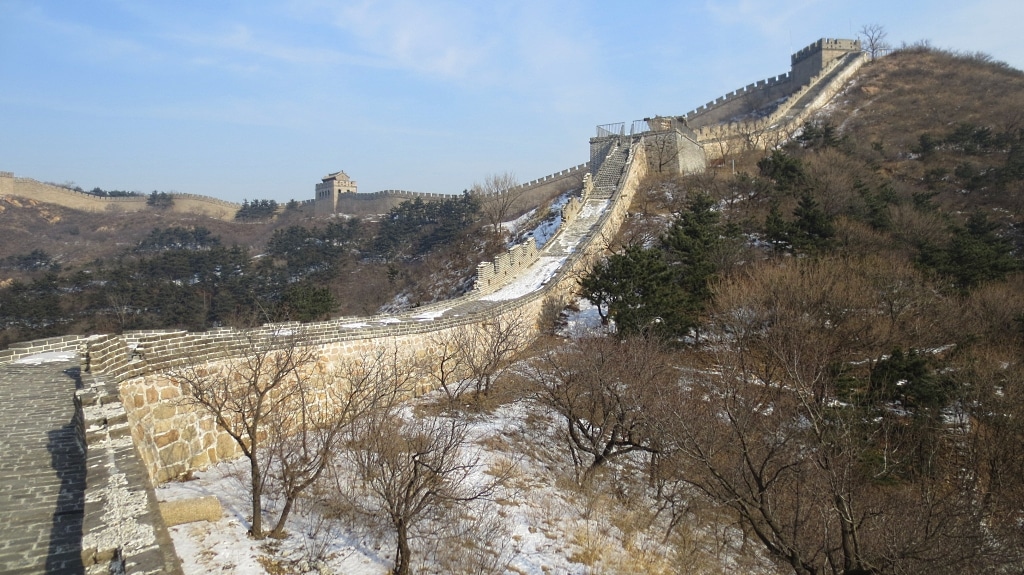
[447,366]
[662,151]
[498,195]
[326,406]
[121,304]
[248,394]
[489,349]
[602,388]
[873,37]
[780,428]
[414,471]
[472,357]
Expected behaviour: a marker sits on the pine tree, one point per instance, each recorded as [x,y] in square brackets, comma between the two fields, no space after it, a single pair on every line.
[637,289]
[812,228]
[690,247]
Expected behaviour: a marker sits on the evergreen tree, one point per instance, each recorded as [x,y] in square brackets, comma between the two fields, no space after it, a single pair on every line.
[690,247]
[637,289]
[812,228]
[786,171]
[908,377]
[976,253]
[777,230]
[306,302]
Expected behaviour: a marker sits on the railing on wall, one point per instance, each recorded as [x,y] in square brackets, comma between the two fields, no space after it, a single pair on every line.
[606,130]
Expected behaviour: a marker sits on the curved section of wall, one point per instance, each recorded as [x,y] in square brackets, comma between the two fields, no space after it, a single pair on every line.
[47,193]
[173,438]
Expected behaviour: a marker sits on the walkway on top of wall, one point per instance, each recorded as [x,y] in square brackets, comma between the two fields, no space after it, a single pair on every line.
[801,105]
[42,470]
[533,278]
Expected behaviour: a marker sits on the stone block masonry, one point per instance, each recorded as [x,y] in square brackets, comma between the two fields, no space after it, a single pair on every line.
[808,65]
[535,192]
[74,497]
[495,274]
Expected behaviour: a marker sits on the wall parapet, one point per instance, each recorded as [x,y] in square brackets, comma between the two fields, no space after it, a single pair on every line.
[784,119]
[63,343]
[436,196]
[825,44]
[747,90]
[495,274]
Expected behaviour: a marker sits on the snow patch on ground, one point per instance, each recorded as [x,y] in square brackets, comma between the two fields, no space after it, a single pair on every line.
[430,315]
[584,320]
[47,357]
[538,523]
[529,281]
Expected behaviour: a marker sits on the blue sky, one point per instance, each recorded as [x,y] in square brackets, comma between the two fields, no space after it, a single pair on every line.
[252,99]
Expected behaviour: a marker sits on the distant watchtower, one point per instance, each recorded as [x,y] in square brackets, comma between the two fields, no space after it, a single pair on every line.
[811,60]
[328,190]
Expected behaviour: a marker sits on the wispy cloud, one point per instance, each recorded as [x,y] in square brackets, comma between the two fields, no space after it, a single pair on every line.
[445,39]
[242,39]
[90,41]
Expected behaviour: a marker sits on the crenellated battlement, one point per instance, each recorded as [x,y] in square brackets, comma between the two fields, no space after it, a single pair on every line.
[747,90]
[825,44]
[379,202]
[763,97]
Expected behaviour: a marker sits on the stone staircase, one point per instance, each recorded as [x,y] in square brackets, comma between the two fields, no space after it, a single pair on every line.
[801,105]
[607,177]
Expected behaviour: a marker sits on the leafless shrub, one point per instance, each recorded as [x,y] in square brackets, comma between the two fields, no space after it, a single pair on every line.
[413,473]
[601,387]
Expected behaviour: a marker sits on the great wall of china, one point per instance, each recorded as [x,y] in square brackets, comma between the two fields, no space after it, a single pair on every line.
[130,391]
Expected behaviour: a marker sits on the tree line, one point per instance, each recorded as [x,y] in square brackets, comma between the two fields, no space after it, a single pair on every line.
[186,277]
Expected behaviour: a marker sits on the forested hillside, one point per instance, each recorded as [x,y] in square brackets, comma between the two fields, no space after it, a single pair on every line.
[105,273]
[847,314]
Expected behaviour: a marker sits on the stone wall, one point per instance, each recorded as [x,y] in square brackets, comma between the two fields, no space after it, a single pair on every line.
[174,439]
[531,194]
[50,194]
[674,151]
[812,59]
[723,139]
[492,275]
[740,101]
[62,343]
[807,66]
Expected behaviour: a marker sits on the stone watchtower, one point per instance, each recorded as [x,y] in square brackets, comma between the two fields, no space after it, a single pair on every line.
[671,146]
[328,190]
[812,59]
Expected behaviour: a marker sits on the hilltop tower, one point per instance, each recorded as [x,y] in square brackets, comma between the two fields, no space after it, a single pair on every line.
[812,59]
[327,191]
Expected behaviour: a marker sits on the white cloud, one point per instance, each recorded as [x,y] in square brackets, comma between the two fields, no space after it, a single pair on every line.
[444,39]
